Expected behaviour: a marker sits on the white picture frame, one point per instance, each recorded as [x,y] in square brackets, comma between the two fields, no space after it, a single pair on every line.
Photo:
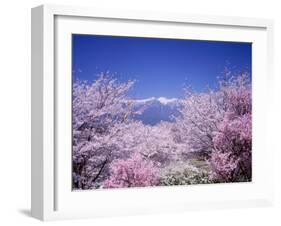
[52,197]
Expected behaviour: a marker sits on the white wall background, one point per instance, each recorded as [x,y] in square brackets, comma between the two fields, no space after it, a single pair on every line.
[15,111]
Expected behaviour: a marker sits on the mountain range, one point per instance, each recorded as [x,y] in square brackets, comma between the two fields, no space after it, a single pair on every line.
[154,110]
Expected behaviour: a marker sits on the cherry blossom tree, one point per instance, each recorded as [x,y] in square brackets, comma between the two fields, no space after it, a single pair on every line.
[155,143]
[100,114]
[232,154]
[135,171]
[218,122]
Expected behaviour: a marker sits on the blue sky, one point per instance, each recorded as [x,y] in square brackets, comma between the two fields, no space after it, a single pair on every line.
[161,67]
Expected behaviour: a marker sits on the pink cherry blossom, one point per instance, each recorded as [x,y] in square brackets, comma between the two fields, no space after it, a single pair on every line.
[132,172]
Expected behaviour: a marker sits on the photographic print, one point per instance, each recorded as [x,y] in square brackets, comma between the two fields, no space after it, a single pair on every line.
[160,112]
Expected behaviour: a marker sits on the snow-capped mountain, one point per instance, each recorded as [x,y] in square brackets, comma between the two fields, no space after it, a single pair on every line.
[155,110]
[162,100]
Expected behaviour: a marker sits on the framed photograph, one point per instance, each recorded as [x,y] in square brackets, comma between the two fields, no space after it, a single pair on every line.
[141,112]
